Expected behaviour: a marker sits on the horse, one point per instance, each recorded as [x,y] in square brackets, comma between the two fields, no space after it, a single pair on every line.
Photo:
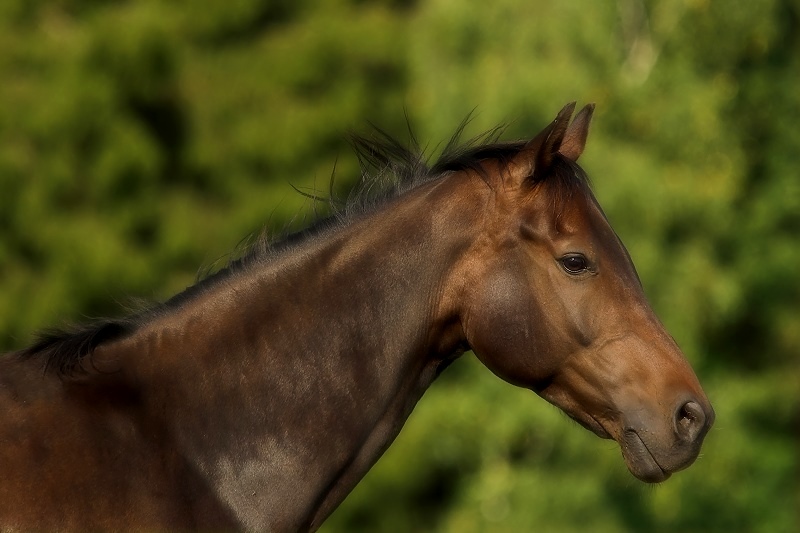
[259,397]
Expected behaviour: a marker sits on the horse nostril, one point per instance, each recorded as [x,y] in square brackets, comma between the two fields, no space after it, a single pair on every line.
[690,421]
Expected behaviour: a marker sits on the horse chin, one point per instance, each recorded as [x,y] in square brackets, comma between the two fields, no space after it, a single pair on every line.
[640,460]
[592,425]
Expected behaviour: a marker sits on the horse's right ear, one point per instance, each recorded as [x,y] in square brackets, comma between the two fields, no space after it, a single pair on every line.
[575,137]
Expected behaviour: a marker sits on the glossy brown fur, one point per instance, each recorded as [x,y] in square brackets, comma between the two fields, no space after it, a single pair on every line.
[259,398]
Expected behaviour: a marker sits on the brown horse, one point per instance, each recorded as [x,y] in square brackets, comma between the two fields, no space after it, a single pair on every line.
[258,398]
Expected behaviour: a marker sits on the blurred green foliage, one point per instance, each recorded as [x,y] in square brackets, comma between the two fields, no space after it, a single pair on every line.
[140,141]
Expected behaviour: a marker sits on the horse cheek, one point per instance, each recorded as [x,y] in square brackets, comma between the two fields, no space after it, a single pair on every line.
[500,329]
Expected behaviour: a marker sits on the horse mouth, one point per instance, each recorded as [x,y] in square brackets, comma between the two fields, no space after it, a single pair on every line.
[637,455]
[640,460]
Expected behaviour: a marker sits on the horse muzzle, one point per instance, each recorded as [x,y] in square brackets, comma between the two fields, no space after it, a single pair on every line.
[652,455]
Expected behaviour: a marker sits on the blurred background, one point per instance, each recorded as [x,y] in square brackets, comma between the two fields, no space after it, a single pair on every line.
[141,141]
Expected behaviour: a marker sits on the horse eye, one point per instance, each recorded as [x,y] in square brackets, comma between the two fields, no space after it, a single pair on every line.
[574,264]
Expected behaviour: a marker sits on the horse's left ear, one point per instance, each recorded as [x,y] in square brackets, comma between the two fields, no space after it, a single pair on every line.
[558,138]
[540,151]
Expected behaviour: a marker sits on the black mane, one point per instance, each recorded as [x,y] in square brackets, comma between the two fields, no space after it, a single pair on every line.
[389,169]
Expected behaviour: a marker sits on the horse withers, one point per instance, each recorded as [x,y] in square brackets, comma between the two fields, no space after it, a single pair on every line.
[259,397]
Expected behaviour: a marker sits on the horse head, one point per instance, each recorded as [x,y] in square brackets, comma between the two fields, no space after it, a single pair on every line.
[554,304]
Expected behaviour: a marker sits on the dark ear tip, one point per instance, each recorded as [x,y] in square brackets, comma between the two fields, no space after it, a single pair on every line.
[566,111]
[588,109]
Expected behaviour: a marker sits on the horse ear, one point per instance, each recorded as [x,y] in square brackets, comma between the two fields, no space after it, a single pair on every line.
[575,137]
[540,151]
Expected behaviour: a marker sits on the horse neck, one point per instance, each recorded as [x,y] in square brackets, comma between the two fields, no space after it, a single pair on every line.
[313,361]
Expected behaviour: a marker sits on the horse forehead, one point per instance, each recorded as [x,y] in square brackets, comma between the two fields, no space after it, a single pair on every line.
[576,215]
[580,220]
[573,219]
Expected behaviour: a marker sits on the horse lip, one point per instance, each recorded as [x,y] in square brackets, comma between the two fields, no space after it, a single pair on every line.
[639,459]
